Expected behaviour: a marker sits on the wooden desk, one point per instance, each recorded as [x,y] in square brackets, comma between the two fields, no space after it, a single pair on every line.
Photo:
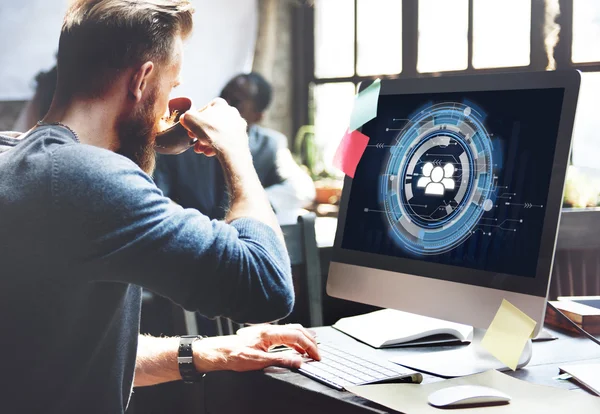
[283,391]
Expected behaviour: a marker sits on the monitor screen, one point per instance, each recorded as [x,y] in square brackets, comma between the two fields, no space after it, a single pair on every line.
[459,179]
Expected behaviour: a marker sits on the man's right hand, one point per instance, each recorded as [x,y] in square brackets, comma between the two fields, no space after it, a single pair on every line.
[221,131]
[219,128]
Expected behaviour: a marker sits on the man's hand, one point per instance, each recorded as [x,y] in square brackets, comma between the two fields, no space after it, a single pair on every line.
[221,131]
[249,350]
[219,128]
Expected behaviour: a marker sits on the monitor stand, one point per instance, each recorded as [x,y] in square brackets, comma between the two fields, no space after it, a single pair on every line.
[462,361]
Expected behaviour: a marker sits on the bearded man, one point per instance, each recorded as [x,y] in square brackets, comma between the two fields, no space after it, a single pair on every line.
[83,227]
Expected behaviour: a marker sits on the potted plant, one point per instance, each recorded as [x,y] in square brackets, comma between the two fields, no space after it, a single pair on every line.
[582,188]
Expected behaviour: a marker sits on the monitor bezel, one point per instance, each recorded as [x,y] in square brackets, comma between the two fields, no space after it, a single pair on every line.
[536,286]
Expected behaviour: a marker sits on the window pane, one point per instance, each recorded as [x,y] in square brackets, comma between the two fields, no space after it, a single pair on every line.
[586,31]
[501,33]
[379,37]
[332,107]
[586,135]
[334,38]
[443,28]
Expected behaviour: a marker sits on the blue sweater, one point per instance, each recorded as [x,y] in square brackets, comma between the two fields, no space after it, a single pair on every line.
[81,230]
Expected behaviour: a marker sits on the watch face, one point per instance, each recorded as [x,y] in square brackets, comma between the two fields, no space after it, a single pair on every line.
[438,178]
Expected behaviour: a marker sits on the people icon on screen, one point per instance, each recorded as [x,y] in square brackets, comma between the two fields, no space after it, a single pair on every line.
[436,180]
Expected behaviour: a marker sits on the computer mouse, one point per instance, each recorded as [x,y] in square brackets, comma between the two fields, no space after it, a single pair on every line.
[462,395]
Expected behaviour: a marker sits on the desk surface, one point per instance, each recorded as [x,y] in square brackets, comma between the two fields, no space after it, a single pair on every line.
[280,390]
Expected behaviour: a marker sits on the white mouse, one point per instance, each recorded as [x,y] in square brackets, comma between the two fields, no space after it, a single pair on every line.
[466,395]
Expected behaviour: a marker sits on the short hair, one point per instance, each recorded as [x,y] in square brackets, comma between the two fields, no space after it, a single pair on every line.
[99,38]
[261,93]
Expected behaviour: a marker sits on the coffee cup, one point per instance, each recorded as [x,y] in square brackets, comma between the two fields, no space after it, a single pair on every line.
[175,139]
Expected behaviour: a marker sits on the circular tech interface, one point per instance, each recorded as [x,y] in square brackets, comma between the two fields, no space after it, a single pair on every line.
[437,178]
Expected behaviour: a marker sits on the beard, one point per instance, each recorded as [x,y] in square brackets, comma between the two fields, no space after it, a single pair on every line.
[137,134]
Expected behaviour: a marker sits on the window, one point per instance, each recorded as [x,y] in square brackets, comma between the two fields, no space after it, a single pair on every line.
[586,31]
[379,30]
[357,40]
[585,55]
[333,105]
[586,148]
[352,39]
[443,42]
[501,33]
[334,38]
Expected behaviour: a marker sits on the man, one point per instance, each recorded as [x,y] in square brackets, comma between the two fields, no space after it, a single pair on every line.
[287,186]
[83,227]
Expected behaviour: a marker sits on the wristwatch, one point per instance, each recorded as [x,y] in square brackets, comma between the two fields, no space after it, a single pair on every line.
[185,359]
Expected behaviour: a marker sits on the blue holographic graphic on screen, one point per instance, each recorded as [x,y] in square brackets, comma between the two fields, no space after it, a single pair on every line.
[458,178]
[437,177]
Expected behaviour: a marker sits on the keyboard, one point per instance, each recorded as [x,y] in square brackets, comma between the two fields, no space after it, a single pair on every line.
[339,368]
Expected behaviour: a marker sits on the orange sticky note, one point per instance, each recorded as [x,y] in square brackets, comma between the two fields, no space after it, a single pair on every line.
[350,151]
[508,333]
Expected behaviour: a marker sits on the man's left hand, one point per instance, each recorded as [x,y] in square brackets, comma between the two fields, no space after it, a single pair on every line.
[249,350]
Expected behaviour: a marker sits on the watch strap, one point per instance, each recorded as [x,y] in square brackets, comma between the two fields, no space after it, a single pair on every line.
[185,359]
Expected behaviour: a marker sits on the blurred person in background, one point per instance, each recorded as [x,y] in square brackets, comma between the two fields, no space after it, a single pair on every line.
[38,106]
[198,182]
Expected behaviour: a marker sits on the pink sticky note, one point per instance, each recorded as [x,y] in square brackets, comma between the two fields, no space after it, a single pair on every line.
[350,151]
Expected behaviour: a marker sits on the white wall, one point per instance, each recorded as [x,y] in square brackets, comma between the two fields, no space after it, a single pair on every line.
[29,30]
[222,45]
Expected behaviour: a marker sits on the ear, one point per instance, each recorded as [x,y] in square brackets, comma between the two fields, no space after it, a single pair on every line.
[139,80]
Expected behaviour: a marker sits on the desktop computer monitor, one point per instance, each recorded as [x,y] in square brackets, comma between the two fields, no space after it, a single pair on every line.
[456,201]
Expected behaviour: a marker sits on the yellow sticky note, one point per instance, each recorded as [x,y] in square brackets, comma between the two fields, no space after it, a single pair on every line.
[508,333]
[365,105]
